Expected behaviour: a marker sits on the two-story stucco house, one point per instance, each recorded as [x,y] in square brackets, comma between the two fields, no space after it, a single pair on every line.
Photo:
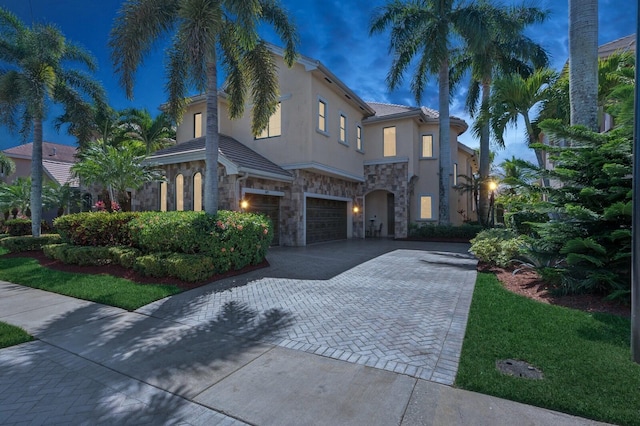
[329,166]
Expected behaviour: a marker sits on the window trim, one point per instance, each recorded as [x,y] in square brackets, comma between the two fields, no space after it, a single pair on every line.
[325,117]
[433,217]
[395,142]
[422,156]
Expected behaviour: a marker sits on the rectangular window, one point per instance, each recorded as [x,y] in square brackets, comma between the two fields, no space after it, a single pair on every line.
[426,207]
[343,129]
[455,174]
[322,116]
[359,138]
[427,146]
[197,124]
[389,138]
[163,196]
[274,128]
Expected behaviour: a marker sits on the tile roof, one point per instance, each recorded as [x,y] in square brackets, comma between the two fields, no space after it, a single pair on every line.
[624,44]
[236,152]
[50,151]
[384,109]
[60,172]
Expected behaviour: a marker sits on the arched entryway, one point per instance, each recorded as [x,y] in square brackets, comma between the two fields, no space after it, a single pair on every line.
[380,216]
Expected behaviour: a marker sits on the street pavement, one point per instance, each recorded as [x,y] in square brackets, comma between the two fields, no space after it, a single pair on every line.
[358,332]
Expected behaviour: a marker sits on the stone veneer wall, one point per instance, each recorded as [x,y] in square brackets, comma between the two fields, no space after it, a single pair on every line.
[392,177]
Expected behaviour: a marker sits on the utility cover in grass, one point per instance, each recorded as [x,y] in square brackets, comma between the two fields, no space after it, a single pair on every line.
[516,368]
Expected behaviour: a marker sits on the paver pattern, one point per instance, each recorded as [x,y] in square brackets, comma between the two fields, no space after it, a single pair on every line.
[366,315]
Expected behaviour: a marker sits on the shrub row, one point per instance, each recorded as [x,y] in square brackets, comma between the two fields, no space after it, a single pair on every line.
[464,232]
[188,245]
[28,243]
[92,255]
[20,227]
[96,229]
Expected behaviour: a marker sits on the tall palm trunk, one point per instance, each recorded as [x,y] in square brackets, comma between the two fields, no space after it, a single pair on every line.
[212,140]
[444,143]
[36,178]
[485,164]
[583,62]
[539,154]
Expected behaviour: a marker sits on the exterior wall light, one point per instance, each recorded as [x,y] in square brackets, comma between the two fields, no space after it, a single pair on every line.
[244,204]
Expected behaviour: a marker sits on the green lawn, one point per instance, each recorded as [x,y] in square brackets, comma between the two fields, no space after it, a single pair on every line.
[585,358]
[105,289]
[11,335]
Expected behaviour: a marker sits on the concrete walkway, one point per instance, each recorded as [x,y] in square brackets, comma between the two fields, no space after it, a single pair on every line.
[355,332]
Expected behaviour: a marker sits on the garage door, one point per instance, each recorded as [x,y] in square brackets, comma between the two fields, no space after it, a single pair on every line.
[326,220]
[270,207]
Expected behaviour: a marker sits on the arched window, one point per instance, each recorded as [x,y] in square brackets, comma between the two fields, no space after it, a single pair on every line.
[197,192]
[179,193]
[163,196]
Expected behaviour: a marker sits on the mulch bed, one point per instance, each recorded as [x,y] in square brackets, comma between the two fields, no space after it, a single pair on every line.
[130,274]
[529,284]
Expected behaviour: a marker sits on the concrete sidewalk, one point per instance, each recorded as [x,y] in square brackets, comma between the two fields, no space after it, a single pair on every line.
[364,346]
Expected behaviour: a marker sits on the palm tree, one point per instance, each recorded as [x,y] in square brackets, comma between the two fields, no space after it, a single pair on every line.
[515,96]
[16,196]
[117,169]
[421,34]
[497,47]
[583,62]
[34,76]
[199,28]
[155,133]
[7,166]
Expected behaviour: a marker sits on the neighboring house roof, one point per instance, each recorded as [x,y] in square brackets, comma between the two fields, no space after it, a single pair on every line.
[624,44]
[60,172]
[232,154]
[386,111]
[50,151]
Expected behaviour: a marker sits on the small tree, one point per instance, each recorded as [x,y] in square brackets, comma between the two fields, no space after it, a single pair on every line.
[118,169]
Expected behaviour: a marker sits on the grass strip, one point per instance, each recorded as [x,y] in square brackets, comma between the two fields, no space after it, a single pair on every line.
[585,358]
[11,335]
[105,289]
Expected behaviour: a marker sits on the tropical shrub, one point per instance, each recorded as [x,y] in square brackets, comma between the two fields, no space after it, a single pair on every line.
[28,243]
[17,227]
[91,255]
[96,229]
[497,246]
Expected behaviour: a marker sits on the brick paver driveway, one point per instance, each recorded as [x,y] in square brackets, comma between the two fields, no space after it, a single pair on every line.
[403,311]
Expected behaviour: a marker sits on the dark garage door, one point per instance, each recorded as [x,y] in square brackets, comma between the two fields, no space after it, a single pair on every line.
[269,206]
[326,220]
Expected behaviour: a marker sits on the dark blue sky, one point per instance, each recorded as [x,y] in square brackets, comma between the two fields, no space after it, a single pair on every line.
[333,31]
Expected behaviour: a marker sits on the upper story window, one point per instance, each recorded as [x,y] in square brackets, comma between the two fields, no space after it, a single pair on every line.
[359,138]
[389,141]
[343,129]
[455,174]
[427,146]
[274,128]
[322,116]
[197,124]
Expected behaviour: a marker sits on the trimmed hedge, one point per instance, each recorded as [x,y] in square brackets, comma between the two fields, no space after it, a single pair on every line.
[92,255]
[28,243]
[22,227]
[191,246]
[96,228]
[465,232]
